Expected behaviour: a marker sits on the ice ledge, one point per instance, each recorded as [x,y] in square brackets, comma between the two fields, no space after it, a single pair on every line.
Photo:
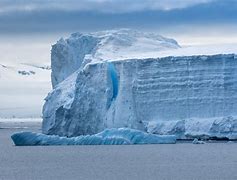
[207,128]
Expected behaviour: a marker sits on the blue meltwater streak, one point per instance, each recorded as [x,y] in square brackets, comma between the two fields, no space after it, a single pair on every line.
[114,78]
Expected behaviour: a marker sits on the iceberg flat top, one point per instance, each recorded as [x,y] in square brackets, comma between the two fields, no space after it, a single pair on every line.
[125,43]
[68,55]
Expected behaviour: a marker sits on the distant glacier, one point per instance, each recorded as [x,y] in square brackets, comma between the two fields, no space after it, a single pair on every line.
[186,96]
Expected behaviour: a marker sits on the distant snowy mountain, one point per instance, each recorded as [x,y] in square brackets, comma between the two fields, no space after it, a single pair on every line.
[22,89]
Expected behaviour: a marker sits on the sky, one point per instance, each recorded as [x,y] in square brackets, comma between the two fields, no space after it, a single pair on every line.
[29,27]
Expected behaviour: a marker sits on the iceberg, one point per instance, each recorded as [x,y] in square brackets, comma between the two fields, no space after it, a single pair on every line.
[196,141]
[173,95]
[121,136]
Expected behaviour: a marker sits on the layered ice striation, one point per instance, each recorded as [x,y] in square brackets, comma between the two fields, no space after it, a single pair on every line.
[121,136]
[187,96]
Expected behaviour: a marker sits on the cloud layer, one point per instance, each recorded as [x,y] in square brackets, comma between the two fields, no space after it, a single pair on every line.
[106,6]
[51,16]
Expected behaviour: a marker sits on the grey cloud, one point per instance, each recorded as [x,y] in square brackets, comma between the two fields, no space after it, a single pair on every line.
[49,19]
[105,6]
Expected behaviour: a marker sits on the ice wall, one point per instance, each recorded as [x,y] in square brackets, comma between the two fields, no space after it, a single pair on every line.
[68,55]
[130,93]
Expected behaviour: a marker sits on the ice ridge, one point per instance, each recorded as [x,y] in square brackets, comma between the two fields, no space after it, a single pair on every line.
[120,136]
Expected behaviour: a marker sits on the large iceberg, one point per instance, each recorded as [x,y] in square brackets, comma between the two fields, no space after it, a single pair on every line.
[121,136]
[160,95]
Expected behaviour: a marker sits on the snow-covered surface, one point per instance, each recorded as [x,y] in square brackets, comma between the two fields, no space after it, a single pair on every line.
[68,55]
[23,88]
[121,136]
[130,93]
[196,141]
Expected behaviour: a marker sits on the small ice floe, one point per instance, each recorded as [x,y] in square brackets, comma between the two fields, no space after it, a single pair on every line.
[120,136]
[196,141]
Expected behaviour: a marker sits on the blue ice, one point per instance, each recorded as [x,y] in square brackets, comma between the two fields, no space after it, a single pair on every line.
[114,79]
[120,136]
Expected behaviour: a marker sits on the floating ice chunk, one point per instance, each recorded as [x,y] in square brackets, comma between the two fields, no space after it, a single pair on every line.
[196,141]
[113,136]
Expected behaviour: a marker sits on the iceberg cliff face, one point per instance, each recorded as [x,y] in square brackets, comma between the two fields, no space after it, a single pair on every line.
[136,92]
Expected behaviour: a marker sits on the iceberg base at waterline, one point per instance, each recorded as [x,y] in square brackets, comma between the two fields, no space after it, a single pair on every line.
[114,136]
[218,128]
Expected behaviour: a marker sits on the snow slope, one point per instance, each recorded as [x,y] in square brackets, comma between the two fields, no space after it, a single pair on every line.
[204,128]
[22,89]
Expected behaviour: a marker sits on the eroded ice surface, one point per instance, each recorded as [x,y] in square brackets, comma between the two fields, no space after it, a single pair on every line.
[121,136]
[102,80]
[217,128]
[130,93]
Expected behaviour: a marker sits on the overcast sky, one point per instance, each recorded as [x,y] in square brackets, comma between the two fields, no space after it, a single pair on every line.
[41,22]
